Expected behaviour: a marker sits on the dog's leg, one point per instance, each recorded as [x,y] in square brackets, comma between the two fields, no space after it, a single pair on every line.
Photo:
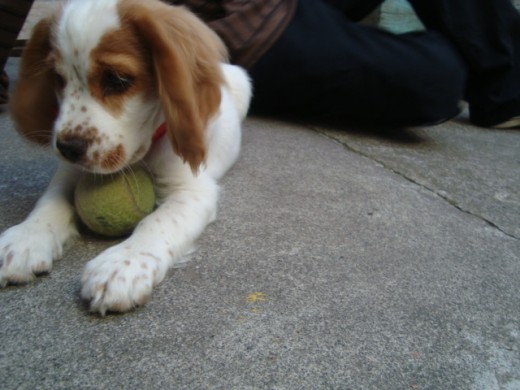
[122,277]
[29,248]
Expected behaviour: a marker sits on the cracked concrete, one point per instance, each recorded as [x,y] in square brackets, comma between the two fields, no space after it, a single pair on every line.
[342,138]
[442,155]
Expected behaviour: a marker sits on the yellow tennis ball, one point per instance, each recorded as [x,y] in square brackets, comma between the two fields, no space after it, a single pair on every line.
[112,205]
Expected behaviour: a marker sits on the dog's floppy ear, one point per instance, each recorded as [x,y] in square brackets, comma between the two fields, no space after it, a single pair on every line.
[186,57]
[33,103]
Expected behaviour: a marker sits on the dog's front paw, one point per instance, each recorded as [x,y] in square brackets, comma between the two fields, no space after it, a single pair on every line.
[27,250]
[120,279]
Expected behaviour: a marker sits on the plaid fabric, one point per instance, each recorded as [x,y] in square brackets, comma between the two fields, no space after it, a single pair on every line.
[12,18]
[248,27]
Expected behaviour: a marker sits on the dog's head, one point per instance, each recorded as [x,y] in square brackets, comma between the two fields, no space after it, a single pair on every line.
[99,77]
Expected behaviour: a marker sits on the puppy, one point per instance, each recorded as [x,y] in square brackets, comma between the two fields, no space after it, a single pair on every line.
[96,82]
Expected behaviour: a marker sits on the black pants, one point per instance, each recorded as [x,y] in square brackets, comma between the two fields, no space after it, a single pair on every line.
[326,65]
[12,17]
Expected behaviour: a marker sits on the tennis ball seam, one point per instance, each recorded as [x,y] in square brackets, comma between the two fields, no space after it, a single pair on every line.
[135,204]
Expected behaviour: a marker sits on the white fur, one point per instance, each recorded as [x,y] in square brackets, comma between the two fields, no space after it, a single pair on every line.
[99,16]
[123,276]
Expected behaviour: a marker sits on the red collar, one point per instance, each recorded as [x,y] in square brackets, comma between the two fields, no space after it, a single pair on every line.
[159,133]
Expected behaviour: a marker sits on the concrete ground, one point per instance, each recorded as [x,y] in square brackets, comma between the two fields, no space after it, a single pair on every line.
[339,259]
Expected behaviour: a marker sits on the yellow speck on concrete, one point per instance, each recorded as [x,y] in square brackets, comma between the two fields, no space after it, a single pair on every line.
[255,297]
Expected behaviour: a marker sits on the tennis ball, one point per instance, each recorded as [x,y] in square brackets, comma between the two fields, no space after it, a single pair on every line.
[112,205]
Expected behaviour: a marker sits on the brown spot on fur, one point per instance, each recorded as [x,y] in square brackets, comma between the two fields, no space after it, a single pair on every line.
[114,158]
[92,133]
[113,276]
[9,258]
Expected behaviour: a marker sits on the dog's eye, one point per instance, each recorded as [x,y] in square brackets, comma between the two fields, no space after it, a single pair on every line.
[114,83]
[59,81]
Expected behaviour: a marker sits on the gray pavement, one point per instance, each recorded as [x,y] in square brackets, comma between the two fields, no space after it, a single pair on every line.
[339,259]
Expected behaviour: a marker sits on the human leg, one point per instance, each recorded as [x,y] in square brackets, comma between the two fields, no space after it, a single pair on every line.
[355,10]
[327,66]
[487,34]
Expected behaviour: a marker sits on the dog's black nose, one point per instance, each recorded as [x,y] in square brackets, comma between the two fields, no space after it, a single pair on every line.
[73,149]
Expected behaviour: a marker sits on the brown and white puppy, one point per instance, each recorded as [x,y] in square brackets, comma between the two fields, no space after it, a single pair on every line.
[96,82]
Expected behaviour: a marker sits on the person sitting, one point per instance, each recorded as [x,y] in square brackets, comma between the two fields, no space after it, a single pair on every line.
[311,58]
